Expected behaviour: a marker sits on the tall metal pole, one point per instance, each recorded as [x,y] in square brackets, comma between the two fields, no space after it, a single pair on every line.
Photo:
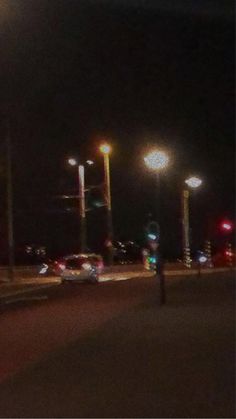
[82,209]
[159,257]
[185,225]
[10,207]
[108,204]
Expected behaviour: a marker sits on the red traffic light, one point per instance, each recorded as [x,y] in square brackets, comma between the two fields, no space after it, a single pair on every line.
[226,226]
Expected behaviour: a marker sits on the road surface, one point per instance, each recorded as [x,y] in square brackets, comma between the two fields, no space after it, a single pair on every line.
[112,351]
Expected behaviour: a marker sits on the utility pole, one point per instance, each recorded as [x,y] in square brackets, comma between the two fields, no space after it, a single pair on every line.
[106,150]
[108,195]
[10,206]
[82,208]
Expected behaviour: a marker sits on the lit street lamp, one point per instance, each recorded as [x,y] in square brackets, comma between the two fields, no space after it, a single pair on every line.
[106,150]
[83,235]
[157,161]
[192,182]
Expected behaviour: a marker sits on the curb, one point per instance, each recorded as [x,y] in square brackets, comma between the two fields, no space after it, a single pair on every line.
[22,292]
[130,275]
[198,271]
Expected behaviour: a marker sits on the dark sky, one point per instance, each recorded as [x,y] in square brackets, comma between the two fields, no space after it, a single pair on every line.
[142,73]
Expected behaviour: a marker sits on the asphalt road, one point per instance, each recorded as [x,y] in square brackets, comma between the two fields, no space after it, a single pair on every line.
[112,351]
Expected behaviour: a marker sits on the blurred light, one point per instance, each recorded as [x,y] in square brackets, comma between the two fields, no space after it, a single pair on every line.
[43,269]
[62,266]
[105,148]
[86,266]
[193,182]
[202,259]
[152,236]
[152,259]
[226,226]
[90,162]
[72,162]
[156,160]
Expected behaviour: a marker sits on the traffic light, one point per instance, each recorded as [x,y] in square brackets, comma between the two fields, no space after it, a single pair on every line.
[226,226]
[153,232]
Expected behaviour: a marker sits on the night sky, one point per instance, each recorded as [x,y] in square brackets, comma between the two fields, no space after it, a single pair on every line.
[139,73]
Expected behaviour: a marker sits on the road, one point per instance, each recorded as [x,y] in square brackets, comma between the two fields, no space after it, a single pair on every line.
[112,351]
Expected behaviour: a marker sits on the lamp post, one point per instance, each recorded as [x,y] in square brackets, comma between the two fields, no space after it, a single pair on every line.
[10,207]
[157,161]
[82,214]
[192,182]
[106,150]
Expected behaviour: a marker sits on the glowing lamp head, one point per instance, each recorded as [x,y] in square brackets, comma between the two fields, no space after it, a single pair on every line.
[156,160]
[105,148]
[72,162]
[193,182]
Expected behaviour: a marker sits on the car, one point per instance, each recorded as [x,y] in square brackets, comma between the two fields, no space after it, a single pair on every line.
[76,267]
[225,257]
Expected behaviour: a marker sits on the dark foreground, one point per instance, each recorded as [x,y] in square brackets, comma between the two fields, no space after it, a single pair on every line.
[112,351]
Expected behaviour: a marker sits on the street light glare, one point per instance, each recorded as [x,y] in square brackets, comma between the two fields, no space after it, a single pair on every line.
[72,162]
[193,182]
[105,148]
[156,160]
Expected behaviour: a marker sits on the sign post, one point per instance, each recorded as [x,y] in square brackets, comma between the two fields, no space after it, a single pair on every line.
[153,239]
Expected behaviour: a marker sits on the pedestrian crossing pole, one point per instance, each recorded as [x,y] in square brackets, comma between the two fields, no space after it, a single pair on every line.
[229,255]
[185,224]
[208,253]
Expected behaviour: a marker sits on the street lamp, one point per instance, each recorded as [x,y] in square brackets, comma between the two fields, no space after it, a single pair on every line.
[157,161]
[105,149]
[192,182]
[80,167]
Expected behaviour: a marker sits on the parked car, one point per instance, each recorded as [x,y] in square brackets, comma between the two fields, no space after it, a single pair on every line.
[76,267]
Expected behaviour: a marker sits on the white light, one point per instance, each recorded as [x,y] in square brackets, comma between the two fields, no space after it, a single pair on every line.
[152,236]
[72,162]
[202,259]
[86,266]
[156,160]
[193,182]
[43,269]
[90,162]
